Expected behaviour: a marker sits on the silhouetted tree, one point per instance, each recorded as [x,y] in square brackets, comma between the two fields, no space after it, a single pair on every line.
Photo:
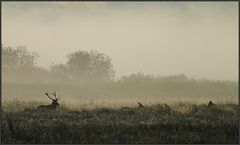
[20,66]
[90,64]
[59,69]
[18,57]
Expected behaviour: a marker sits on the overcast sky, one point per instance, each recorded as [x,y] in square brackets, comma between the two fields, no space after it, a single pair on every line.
[199,39]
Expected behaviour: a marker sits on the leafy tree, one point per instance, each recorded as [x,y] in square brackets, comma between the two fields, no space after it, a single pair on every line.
[60,69]
[18,57]
[90,64]
[78,63]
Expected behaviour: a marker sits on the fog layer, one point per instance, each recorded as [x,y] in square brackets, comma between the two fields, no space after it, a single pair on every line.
[197,39]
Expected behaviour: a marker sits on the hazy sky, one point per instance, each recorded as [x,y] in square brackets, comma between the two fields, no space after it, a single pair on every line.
[199,39]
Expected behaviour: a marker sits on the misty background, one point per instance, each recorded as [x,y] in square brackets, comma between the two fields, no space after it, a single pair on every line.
[120,49]
[198,39]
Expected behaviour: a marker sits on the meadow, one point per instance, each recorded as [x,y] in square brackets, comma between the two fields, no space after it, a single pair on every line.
[97,107]
[155,123]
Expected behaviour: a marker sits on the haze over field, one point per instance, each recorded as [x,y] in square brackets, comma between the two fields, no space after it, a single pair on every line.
[199,39]
[119,72]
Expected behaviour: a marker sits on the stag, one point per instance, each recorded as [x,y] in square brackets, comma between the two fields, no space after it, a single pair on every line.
[140,105]
[210,103]
[54,104]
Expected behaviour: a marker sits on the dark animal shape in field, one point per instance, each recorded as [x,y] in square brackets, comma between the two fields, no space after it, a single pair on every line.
[168,107]
[54,104]
[210,103]
[164,109]
[140,105]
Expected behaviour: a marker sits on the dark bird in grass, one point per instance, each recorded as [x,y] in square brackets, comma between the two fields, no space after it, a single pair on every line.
[210,103]
[140,105]
[167,106]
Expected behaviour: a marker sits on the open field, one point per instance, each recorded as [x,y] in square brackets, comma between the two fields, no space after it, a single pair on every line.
[118,73]
[156,123]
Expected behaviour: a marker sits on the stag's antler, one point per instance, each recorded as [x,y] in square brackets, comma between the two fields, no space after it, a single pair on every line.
[55,95]
[47,94]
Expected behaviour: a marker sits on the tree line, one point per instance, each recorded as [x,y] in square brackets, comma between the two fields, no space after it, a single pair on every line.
[80,65]
[91,73]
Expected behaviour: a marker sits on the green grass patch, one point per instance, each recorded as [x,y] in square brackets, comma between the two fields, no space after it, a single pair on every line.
[182,123]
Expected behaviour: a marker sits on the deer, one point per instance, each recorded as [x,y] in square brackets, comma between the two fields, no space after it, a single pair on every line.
[54,104]
[140,105]
[210,103]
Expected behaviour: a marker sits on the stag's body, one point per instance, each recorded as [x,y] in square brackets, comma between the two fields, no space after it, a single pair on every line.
[53,106]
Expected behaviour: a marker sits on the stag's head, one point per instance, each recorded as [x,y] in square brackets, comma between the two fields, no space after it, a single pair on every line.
[54,100]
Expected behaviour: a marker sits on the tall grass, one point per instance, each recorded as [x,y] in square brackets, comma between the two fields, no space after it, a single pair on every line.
[155,123]
[90,103]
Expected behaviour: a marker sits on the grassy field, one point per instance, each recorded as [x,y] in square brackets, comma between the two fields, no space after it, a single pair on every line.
[181,123]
